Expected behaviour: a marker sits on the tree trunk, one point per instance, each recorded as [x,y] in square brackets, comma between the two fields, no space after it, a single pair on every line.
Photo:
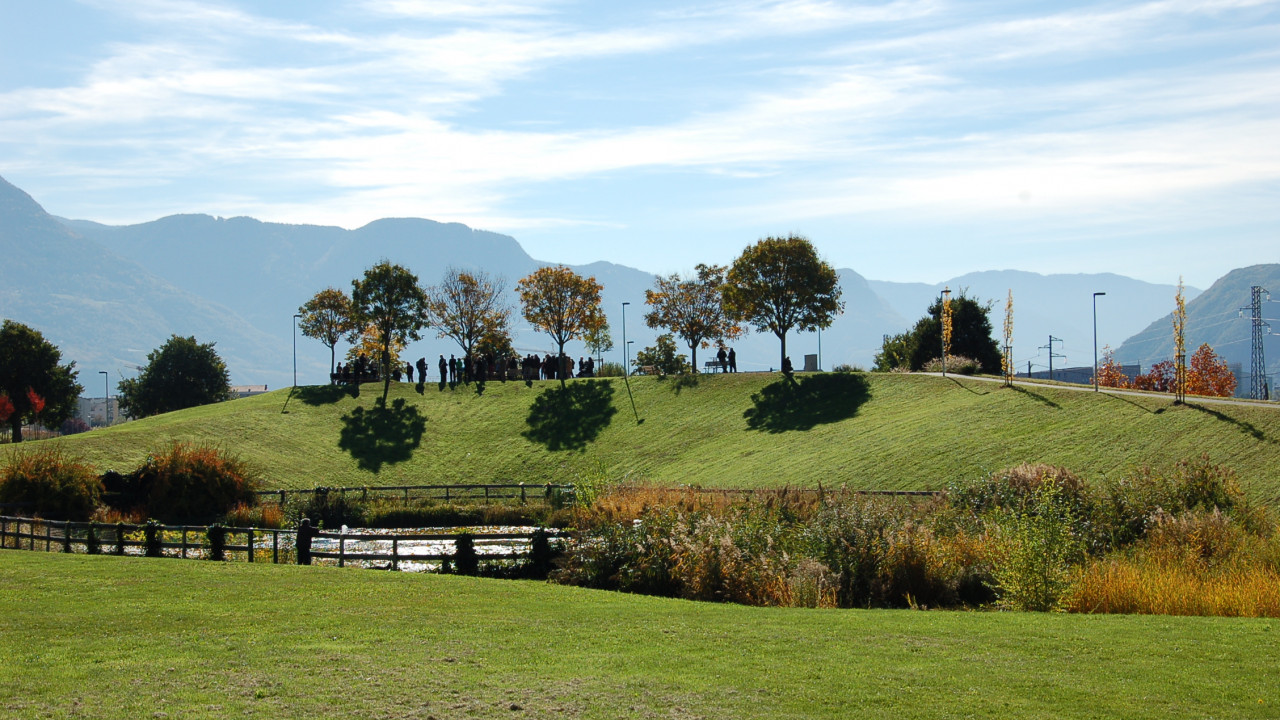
[693,356]
[333,356]
[15,427]
[783,359]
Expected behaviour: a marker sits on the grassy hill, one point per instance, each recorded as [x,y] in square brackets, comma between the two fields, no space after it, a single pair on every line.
[881,431]
[95,636]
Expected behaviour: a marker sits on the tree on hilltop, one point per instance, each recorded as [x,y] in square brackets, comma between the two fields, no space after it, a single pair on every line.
[692,308]
[180,374]
[779,284]
[468,306]
[389,299]
[328,317]
[34,385]
[563,304]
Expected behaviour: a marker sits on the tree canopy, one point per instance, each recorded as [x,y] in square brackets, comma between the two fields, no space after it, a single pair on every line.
[389,299]
[970,337]
[779,284]
[34,385]
[561,303]
[469,306]
[1209,374]
[663,356]
[692,308]
[180,374]
[328,317]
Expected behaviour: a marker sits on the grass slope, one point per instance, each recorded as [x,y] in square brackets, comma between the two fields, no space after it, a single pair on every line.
[880,431]
[88,636]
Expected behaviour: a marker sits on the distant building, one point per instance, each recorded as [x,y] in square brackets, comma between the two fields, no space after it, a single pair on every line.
[244,391]
[1081,375]
[95,413]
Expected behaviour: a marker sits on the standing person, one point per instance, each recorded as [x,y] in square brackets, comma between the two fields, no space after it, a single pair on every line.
[453,370]
[787,367]
[444,370]
[422,370]
[723,358]
[733,361]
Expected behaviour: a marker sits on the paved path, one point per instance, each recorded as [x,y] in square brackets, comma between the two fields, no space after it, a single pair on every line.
[1114,391]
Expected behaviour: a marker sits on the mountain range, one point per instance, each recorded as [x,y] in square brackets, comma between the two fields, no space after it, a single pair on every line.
[107,295]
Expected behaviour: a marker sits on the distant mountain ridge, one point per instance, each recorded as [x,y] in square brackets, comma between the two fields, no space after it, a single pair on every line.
[1215,317]
[110,294]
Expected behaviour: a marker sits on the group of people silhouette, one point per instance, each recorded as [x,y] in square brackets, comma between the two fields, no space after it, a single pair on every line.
[470,368]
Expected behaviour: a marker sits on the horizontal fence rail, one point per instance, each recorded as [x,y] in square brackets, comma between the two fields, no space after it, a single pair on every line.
[449,493]
[300,545]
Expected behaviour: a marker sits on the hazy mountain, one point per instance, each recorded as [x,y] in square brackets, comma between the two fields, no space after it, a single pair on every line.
[1044,305]
[108,295]
[264,271]
[102,310]
[1215,317]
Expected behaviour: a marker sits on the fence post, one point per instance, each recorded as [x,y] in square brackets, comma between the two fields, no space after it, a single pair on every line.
[184,542]
[66,536]
[250,544]
[522,499]
[395,553]
[4,532]
[119,538]
[342,551]
[48,534]
[275,547]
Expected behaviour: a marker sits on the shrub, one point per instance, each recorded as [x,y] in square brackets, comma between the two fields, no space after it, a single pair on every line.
[957,364]
[193,483]
[46,482]
[257,516]
[1038,546]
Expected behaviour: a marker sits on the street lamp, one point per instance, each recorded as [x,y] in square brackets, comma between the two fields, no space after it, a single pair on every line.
[295,349]
[106,398]
[625,370]
[1095,340]
[943,299]
[626,353]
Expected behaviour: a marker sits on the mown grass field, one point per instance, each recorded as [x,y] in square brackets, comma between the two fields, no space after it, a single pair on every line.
[873,431]
[94,636]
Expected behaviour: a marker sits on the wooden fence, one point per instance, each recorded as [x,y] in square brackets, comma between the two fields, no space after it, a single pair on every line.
[251,544]
[447,493]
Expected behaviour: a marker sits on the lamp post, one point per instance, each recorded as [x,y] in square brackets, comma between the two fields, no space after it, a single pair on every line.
[819,348]
[944,321]
[626,352]
[295,349]
[106,398]
[1095,340]
[626,370]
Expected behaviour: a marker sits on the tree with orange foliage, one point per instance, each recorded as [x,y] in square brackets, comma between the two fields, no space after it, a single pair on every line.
[1109,372]
[1209,374]
[1160,378]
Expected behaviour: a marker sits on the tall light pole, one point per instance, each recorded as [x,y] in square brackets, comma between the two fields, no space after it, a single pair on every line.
[295,349]
[106,398]
[625,369]
[1095,340]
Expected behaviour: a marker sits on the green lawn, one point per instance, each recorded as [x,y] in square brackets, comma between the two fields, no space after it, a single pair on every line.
[878,431]
[93,636]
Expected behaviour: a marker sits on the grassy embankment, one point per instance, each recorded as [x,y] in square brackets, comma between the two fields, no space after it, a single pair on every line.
[868,431]
[93,636]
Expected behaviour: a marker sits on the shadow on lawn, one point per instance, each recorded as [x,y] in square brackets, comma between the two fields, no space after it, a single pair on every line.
[1247,428]
[1035,396]
[382,435]
[326,394]
[569,417]
[789,404]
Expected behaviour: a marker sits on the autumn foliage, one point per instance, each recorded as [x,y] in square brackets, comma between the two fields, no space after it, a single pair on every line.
[1209,374]
[1110,373]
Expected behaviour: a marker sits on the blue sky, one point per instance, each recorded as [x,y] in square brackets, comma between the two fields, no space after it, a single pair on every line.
[909,140]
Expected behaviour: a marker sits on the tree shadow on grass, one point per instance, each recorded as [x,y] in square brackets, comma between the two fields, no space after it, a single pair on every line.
[1247,428]
[1035,396]
[789,404]
[326,394]
[1140,406]
[569,417]
[382,435]
[962,386]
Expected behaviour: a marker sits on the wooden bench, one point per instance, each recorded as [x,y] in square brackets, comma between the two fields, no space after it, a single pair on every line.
[715,366]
